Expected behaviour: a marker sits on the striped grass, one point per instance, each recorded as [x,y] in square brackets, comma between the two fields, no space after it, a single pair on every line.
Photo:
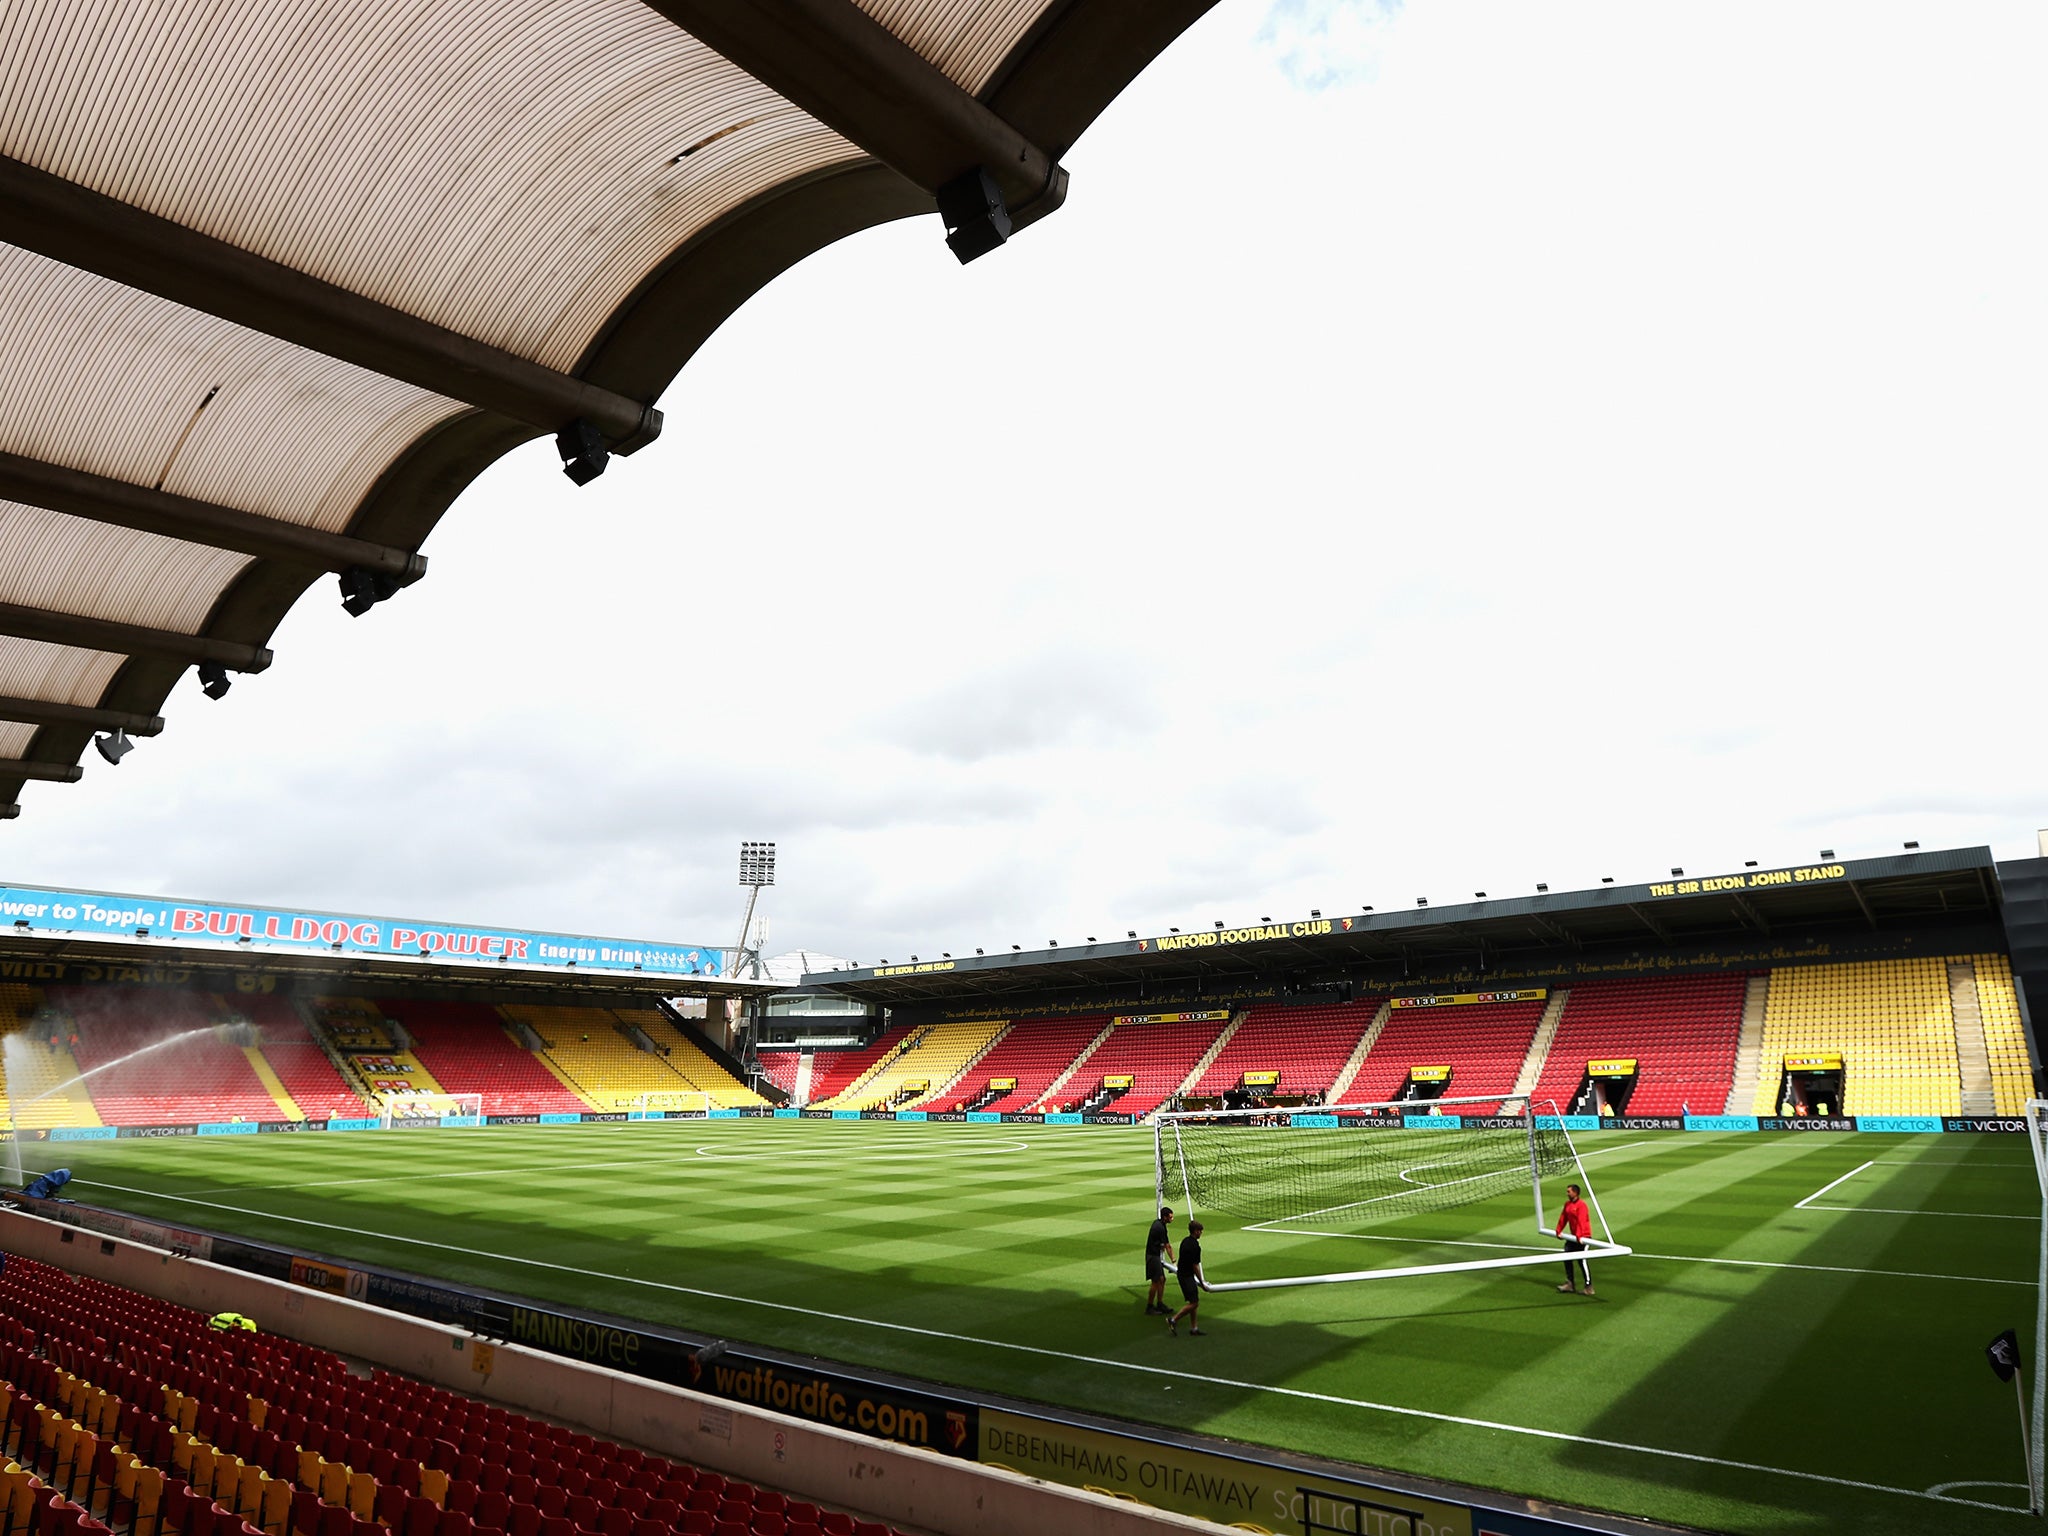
[1761,1366]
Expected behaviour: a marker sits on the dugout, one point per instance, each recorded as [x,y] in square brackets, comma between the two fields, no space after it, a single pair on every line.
[1813,1084]
[1606,1087]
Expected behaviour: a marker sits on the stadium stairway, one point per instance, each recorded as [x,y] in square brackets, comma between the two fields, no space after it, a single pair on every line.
[967,1066]
[351,1023]
[1187,1084]
[1075,1065]
[1307,1045]
[1035,1054]
[1973,1060]
[1158,1057]
[687,1058]
[468,1050]
[1348,1073]
[1749,1047]
[1484,1045]
[1539,1047]
[287,1106]
[591,1051]
[935,1055]
[311,1070]
[834,1073]
[2005,1038]
[1680,1030]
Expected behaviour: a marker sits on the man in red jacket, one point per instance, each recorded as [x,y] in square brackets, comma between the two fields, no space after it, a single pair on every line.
[1575,1225]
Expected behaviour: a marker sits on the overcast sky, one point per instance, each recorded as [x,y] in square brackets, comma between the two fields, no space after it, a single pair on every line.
[1438,447]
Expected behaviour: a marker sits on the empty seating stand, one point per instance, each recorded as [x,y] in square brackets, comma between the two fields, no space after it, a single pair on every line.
[1034,1053]
[304,1069]
[1306,1046]
[1681,1031]
[126,1414]
[833,1072]
[780,1068]
[1889,1020]
[1158,1057]
[467,1049]
[202,1077]
[934,1059]
[1484,1045]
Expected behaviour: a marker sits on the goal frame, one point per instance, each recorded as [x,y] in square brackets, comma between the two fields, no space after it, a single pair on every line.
[2036,1418]
[467,1106]
[1601,1247]
[645,1106]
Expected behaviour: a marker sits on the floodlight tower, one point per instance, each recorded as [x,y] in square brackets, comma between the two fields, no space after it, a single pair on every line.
[757,869]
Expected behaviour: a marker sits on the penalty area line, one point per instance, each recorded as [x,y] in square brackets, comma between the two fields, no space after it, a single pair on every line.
[1177,1373]
[1845,1178]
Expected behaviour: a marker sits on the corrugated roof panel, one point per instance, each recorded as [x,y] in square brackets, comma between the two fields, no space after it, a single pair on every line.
[506,168]
[14,739]
[103,378]
[67,565]
[61,674]
[966,39]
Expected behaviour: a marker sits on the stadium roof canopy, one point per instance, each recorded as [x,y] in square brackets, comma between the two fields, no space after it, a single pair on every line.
[1737,921]
[281,277]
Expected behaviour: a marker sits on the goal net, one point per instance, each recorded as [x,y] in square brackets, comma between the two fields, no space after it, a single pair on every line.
[655,1106]
[1335,1171]
[413,1109]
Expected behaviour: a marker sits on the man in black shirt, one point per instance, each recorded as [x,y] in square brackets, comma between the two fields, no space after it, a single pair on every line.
[1158,1254]
[1189,1269]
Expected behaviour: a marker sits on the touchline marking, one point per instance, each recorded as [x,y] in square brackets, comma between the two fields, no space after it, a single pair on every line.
[1178,1374]
[1845,1178]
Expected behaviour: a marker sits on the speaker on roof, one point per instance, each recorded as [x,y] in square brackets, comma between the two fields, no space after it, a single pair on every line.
[583,451]
[976,217]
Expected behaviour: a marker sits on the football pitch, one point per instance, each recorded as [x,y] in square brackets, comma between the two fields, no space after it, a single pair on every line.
[1797,1344]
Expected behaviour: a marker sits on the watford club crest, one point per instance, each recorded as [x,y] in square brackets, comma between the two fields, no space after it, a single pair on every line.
[1143,945]
[956,1430]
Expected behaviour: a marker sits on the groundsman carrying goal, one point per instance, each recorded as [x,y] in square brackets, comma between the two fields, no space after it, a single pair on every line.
[1345,1166]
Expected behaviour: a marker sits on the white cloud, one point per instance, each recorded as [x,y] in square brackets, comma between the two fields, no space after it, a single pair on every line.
[1321,43]
[1609,442]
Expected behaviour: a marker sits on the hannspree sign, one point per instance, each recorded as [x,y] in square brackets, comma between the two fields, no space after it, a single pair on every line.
[209,923]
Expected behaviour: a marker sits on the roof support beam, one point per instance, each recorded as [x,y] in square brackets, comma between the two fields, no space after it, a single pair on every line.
[44,712]
[1869,916]
[1650,923]
[857,77]
[1750,915]
[56,773]
[126,639]
[101,500]
[95,233]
